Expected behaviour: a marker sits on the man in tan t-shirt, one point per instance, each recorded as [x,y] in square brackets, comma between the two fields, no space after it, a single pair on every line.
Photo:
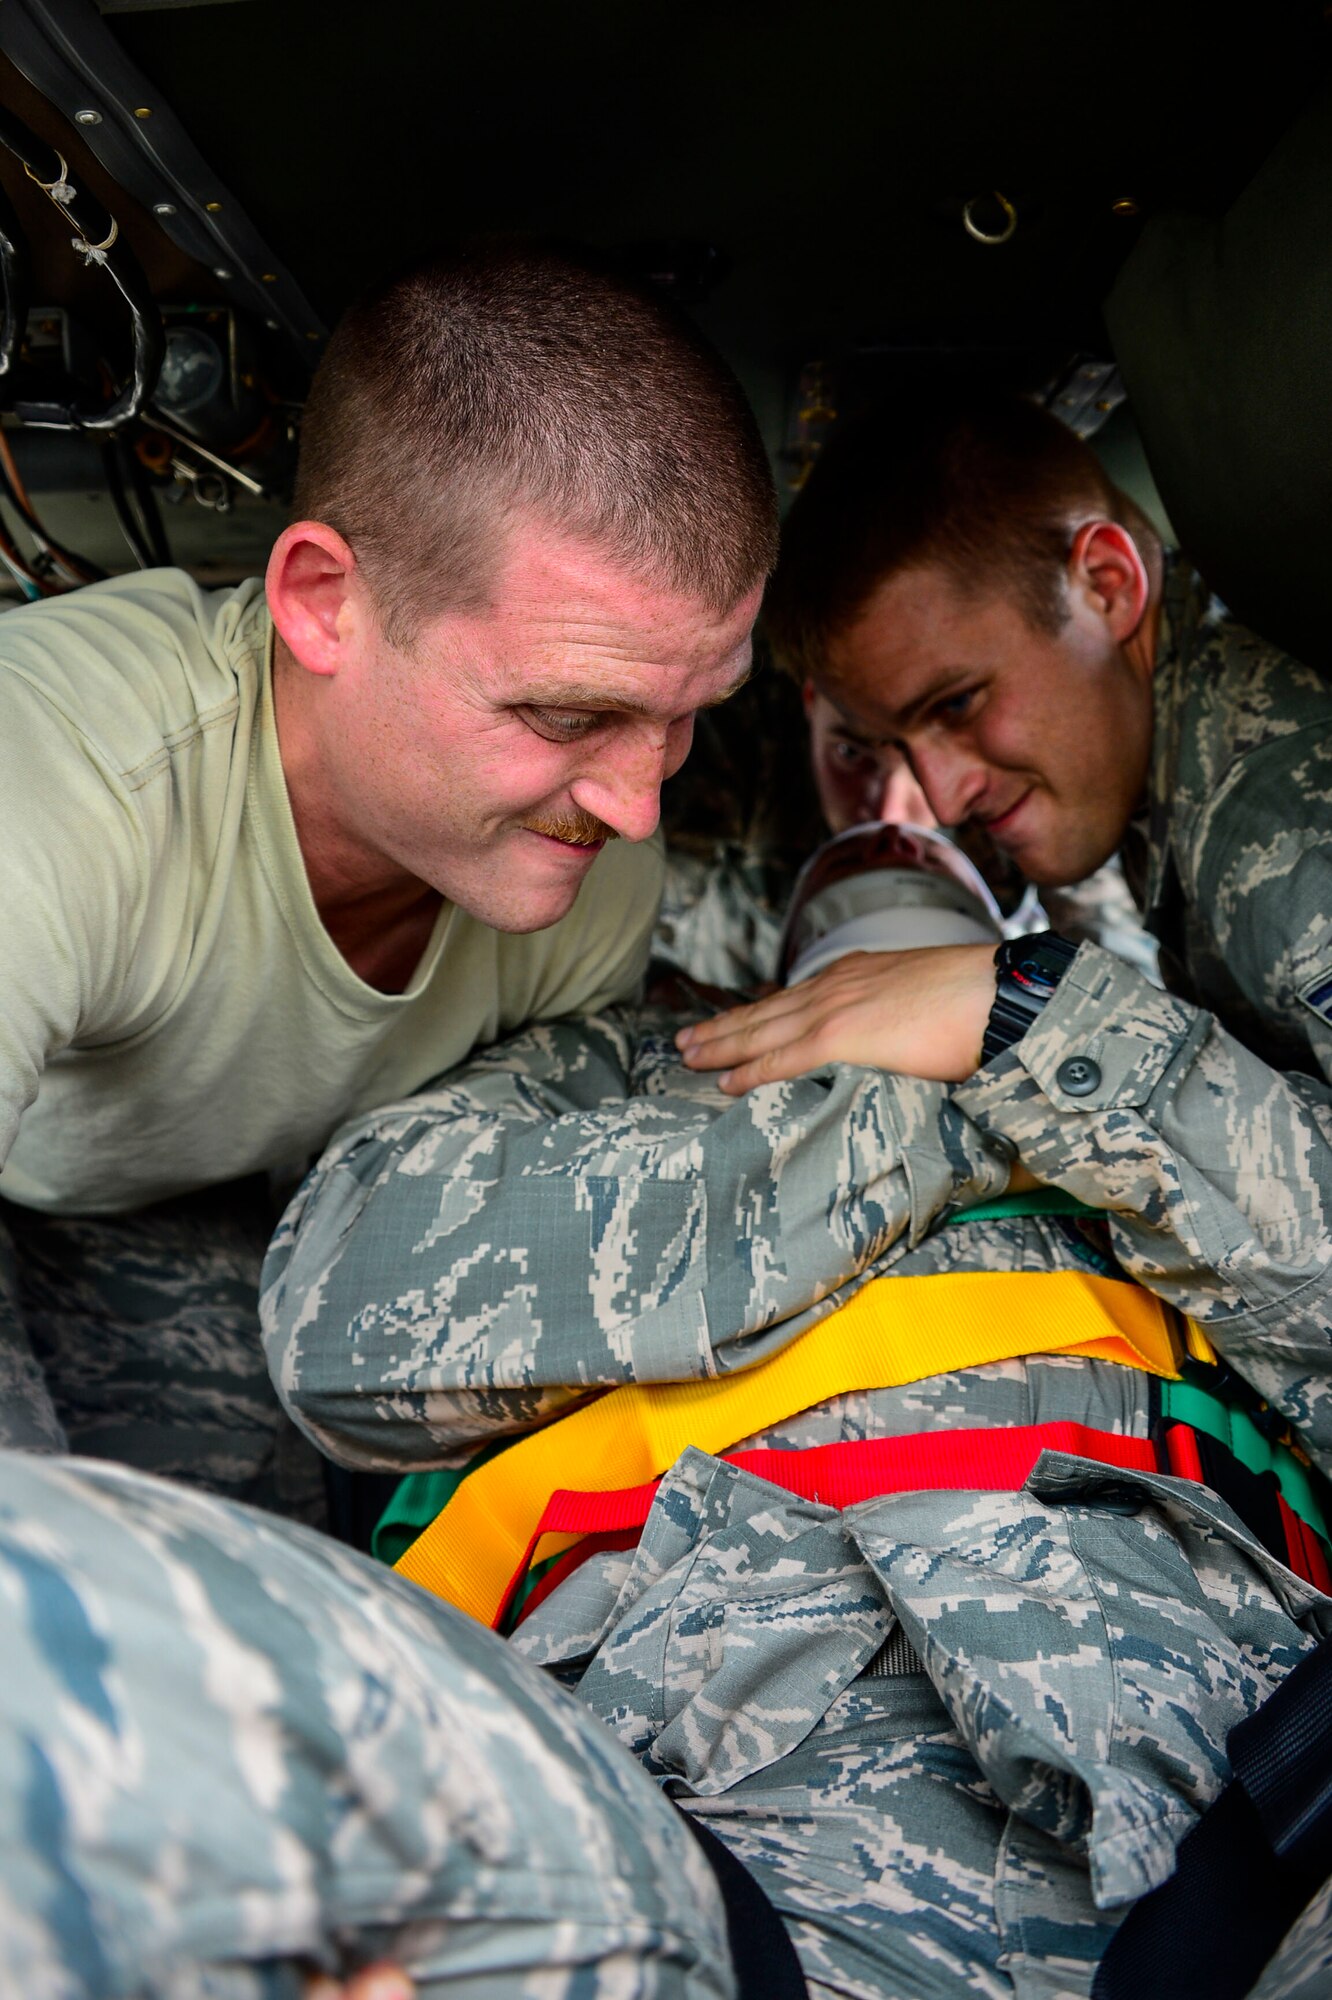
[273,855]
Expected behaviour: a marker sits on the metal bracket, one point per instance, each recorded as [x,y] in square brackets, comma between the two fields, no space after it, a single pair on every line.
[68,53]
[1085,394]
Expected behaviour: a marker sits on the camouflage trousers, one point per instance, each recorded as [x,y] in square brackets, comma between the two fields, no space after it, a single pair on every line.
[232,1752]
[955,1735]
[136,1338]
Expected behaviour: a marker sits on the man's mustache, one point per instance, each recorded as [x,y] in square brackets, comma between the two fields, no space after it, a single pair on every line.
[579,829]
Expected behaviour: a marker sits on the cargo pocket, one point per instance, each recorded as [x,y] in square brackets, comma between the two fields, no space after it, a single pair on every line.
[1094,1638]
[746,1614]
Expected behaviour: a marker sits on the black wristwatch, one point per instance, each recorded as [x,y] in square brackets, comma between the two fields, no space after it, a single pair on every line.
[1027,971]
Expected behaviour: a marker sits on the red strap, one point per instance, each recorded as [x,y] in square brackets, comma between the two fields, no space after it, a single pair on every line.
[839,1475]
[1290,1528]
[1304,1551]
[572,1559]
[1182,1451]
[1320,1575]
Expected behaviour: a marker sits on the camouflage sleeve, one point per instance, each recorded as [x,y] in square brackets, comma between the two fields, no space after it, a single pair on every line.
[1279,932]
[575,1208]
[1259,870]
[1217,1169]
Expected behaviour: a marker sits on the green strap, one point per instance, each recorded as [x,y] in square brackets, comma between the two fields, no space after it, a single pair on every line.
[1037,1201]
[513,1610]
[1188,1402]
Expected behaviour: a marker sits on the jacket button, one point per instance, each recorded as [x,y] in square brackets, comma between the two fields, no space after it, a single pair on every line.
[1079,1076]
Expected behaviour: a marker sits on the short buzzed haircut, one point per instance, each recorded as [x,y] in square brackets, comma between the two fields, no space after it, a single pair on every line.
[498,379]
[990,489]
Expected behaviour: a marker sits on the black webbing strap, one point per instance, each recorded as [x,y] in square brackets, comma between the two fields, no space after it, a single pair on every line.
[1247,1869]
[766,1966]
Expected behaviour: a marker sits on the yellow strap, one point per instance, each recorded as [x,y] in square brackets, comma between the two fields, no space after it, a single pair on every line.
[894,1330]
[1198,1346]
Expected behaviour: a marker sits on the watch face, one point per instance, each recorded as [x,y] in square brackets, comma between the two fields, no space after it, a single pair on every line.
[1033,975]
[1035,965]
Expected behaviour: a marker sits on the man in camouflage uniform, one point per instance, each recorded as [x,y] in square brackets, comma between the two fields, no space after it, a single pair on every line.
[953,1734]
[801,753]
[729,1650]
[1112,703]
[1053,1671]
[1099,701]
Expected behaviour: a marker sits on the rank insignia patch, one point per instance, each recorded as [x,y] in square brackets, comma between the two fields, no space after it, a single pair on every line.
[1317,996]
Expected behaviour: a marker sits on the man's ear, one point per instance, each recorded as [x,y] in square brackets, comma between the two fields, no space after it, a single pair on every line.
[809,694]
[1106,563]
[312,594]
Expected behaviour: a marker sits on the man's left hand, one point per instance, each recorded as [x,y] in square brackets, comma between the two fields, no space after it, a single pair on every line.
[920,1013]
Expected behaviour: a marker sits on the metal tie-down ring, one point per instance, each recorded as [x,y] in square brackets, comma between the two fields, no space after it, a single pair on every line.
[974,229]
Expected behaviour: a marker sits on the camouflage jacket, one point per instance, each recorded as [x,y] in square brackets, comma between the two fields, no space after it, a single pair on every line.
[573,1209]
[1203,1116]
[1232,863]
